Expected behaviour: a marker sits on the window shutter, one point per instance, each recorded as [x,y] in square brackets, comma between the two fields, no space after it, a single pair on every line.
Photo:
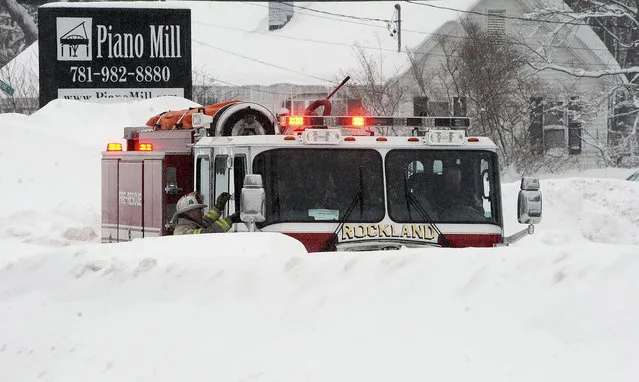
[495,22]
[459,107]
[420,106]
[574,126]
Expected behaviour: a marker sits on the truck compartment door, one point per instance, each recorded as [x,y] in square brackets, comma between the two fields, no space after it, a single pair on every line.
[153,198]
[131,221]
[110,200]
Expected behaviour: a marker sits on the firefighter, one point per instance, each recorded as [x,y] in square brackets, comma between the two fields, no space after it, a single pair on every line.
[191,218]
[420,192]
[457,200]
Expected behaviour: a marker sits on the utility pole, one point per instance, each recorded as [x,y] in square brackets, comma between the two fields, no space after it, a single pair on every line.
[399,27]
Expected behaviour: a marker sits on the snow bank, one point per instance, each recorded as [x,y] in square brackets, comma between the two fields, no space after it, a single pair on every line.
[50,166]
[216,308]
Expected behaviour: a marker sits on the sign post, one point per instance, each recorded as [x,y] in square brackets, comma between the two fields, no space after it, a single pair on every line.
[114,54]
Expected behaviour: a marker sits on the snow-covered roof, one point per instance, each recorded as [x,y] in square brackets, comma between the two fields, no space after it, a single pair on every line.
[232,42]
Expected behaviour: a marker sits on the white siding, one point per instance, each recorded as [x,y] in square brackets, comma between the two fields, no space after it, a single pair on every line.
[571,52]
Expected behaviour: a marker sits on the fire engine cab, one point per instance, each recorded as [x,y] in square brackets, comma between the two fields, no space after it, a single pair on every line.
[332,182]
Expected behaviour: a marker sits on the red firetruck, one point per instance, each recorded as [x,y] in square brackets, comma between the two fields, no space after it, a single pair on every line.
[332,182]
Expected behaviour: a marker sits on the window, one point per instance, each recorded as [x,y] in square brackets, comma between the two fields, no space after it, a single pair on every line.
[221,175]
[554,139]
[310,185]
[452,186]
[439,109]
[239,171]
[554,115]
[555,126]
[203,178]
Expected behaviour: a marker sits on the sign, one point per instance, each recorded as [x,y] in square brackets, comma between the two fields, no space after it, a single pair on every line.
[110,54]
[422,232]
[5,87]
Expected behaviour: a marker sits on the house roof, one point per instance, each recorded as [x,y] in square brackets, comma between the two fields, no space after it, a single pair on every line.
[584,39]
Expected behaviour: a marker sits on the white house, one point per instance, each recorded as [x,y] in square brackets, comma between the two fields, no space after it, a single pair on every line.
[578,48]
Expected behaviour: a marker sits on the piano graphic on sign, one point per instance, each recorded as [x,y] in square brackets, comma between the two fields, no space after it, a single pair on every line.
[73,39]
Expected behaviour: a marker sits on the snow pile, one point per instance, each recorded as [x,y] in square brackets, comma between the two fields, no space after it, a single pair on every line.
[50,166]
[595,210]
[226,308]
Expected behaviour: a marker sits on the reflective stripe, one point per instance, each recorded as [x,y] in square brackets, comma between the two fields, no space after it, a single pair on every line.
[212,214]
[222,223]
[197,231]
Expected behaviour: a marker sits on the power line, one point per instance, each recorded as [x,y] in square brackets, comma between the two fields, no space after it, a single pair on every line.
[492,14]
[505,16]
[264,62]
[422,32]
[333,43]
[334,14]
[324,17]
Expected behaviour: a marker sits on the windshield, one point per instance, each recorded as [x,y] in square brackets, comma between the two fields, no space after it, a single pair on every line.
[449,186]
[310,185]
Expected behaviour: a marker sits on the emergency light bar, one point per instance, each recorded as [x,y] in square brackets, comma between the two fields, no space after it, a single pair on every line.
[446,137]
[362,121]
[321,136]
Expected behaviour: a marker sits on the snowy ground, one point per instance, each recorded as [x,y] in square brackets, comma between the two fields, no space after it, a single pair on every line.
[557,306]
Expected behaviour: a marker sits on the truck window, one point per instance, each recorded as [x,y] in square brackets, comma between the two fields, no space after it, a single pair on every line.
[456,186]
[315,185]
[203,176]
[221,175]
[239,171]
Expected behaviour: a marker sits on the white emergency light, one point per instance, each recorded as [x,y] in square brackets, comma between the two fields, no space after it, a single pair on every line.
[321,136]
[201,120]
[446,137]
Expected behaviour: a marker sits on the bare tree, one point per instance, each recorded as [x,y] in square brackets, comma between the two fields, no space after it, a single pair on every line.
[617,22]
[566,22]
[489,79]
[22,78]
[204,89]
[380,95]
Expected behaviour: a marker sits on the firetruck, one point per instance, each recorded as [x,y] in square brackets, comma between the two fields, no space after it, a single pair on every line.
[335,183]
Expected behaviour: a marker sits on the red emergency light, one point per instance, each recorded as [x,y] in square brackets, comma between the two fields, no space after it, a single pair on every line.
[114,147]
[358,121]
[309,121]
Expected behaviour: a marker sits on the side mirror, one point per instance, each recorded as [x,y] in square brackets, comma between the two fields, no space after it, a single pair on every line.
[529,203]
[252,200]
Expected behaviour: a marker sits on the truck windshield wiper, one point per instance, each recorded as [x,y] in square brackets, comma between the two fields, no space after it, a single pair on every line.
[415,203]
[359,197]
